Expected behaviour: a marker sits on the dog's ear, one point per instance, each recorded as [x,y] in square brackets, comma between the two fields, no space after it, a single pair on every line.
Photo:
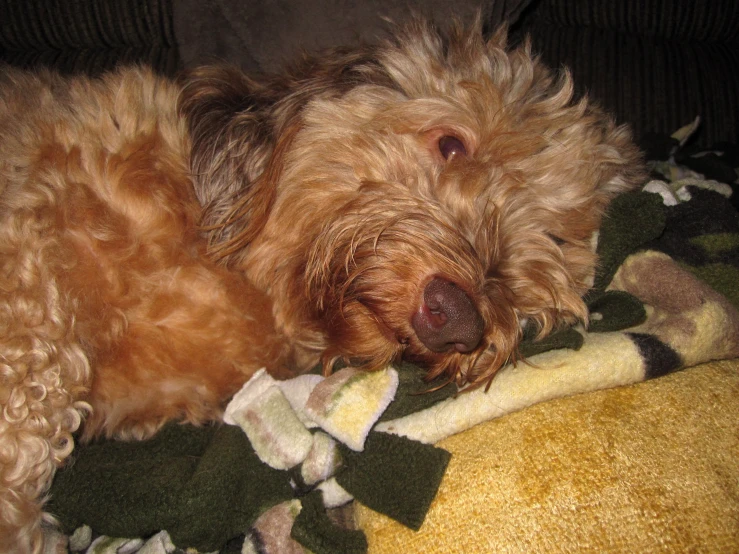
[236,156]
[616,164]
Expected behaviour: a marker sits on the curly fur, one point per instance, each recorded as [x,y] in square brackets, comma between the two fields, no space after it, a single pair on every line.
[161,241]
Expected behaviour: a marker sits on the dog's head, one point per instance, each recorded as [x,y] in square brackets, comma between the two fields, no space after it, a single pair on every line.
[422,198]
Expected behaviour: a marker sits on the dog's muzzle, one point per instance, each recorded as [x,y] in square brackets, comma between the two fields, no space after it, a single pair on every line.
[447,318]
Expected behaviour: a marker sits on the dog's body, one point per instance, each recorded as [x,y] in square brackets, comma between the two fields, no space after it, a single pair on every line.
[159,241]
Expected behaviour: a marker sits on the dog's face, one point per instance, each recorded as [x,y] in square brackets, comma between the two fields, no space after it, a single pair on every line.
[422,199]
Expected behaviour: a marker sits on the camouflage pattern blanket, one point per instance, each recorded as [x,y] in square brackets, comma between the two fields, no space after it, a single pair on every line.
[282,477]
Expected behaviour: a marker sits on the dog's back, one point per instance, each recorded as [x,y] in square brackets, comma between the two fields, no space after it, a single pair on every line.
[106,296]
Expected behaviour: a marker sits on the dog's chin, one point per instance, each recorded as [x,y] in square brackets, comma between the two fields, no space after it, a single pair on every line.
[478,367]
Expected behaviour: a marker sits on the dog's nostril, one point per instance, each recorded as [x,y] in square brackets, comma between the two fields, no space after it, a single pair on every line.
[447,318]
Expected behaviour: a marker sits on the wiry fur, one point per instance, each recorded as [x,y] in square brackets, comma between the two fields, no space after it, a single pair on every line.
[161,241]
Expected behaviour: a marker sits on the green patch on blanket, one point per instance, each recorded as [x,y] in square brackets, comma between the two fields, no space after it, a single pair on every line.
[614,310]
[632,220]
[371,476]
[717,243]
[314,530]
[415,393]
[564,338]
[721,277]
[202,484]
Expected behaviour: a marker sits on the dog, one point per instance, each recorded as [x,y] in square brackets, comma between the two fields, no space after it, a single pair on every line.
[162,240]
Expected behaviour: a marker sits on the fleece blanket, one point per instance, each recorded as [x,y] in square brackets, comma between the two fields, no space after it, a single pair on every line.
[650,467]
[280,475]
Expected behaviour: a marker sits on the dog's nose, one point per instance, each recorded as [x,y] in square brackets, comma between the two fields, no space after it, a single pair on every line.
[447,318]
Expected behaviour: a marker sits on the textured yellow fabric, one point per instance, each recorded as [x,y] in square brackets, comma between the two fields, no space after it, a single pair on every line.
[652,467]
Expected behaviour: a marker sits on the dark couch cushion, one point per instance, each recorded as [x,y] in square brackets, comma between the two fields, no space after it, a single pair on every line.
[716,21]
[88,35]
[656,64]
[262,35]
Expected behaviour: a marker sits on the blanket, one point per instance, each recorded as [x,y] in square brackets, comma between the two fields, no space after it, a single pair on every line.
[281,476]
[650,467]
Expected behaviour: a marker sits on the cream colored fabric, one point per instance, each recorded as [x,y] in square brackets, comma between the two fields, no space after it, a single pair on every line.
[652,467]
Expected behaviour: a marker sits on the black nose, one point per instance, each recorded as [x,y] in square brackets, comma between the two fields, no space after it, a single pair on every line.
[447,318]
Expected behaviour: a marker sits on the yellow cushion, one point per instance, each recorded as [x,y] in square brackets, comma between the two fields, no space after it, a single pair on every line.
[652,467]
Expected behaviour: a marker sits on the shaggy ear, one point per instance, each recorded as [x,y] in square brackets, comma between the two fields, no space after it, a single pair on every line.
[499,37]
[628,170]
[235,155]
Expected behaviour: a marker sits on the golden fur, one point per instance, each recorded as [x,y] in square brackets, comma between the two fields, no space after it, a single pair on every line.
[161,241]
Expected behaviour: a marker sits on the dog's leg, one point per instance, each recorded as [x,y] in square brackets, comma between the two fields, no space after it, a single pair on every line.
[43,372]
[195,335]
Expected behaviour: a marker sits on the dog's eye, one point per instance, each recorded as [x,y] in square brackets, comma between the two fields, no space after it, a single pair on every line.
[558,241]
[451,147]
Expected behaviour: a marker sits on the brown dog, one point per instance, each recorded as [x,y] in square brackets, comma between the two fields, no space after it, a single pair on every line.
[159,241]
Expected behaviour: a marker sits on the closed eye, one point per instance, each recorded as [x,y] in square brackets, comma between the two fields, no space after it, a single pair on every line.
[558,241]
